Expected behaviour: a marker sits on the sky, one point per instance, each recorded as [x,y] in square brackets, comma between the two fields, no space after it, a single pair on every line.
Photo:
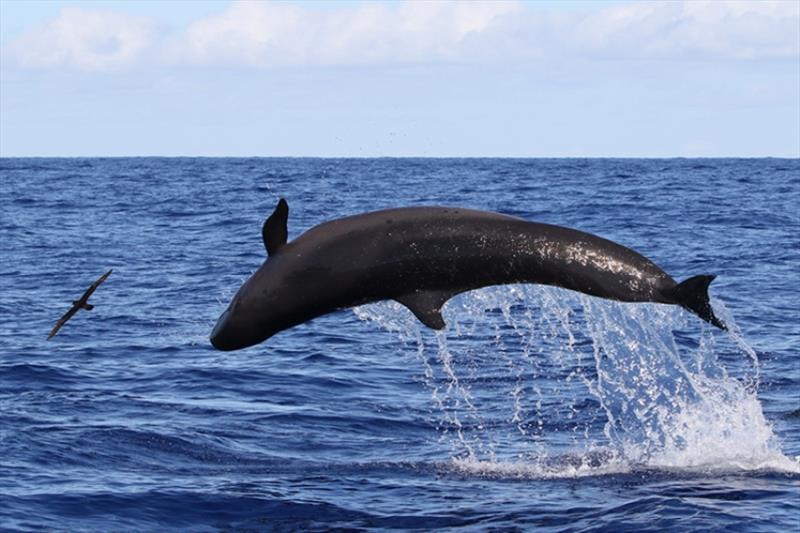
[597,78]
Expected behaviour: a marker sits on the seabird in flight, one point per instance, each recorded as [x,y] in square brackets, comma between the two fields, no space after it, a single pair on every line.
[82,303]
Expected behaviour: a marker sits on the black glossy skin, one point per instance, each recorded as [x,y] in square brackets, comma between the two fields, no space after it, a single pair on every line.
[388,254]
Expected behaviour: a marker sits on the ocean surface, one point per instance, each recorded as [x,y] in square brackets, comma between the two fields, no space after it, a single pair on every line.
[537,408]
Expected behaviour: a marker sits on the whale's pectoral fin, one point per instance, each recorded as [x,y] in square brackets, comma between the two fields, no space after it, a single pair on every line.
[274,230]
[427,306]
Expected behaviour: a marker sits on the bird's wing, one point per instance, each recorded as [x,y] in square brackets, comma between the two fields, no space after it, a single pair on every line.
[63,320]
[94,286]
[78,305]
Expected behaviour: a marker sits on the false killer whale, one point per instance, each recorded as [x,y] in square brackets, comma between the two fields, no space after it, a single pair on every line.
[422,257]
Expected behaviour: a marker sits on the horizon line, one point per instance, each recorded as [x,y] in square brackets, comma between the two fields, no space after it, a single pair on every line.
[396,157]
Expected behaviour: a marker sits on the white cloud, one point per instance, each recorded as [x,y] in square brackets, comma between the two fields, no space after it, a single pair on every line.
[270,34]
[264,34]
[692,29]
[89,40]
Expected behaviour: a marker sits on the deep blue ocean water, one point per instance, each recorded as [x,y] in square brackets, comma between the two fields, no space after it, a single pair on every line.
[537,408]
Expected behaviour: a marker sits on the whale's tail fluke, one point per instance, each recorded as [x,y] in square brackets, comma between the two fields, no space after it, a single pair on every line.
[692,294]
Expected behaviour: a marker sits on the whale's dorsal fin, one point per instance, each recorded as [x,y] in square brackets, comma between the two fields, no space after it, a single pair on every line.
[274,230]
[427,306]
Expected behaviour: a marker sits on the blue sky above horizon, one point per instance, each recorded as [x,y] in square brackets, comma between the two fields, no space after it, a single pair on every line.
[529,79]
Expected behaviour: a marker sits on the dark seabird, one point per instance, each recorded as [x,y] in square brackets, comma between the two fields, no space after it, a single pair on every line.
[82,303]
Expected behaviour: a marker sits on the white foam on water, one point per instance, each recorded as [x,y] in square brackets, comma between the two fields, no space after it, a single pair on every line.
[536,470]
[542,382]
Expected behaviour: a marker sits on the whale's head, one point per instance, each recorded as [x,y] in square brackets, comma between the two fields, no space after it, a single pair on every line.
[261,307]
[267,302]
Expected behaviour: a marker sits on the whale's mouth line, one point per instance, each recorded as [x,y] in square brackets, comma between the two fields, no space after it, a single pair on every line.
[219,327]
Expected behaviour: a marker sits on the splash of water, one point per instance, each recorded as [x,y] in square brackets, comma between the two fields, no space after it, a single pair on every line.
[540,381]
